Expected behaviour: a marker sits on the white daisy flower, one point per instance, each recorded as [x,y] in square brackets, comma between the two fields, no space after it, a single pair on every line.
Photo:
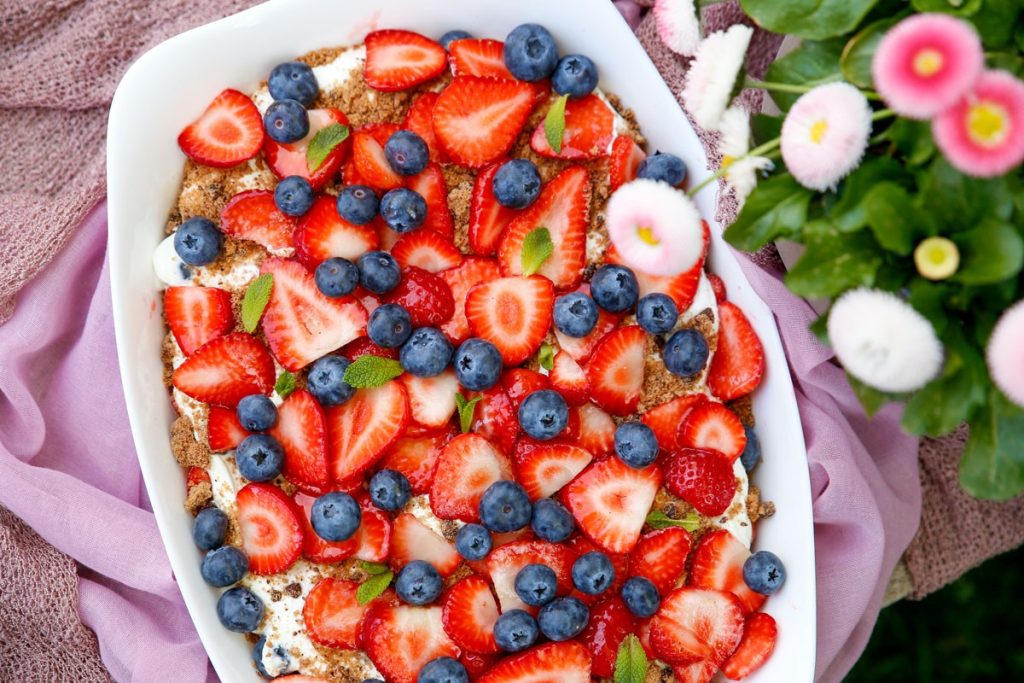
[740,170]
[678,25]
[713,74]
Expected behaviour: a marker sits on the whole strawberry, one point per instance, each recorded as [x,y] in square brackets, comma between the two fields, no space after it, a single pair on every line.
[702,478]
[427,297]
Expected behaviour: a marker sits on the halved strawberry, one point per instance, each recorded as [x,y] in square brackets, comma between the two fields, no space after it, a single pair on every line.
[469,613]
[754,650]
[373,537]
[430,185]
[495,419]
[660,556]
[521,382]
[197,315]
[364,347]
[323,234]
[224,431]
[616,370]
[196,476]
[718,287]
[301,323]
[227,133]
[361,430]
[332,614]
[564,209]
[416,458]
[396,60]
[610,622]
[504,563]
[253,215]
[478,119]
[589,129]
[580,348]
[400,639]
[546,467]
[420,120]
[316,549]
[478,57]
[271,527]
[697,672]
[487,218]
[610,502]
[738,363]
[371,164]
[301,429]
[566,662]
[226,370]
[626,158]
[426,296]
[513,313]
[467,466]
[592,428]
[460,280]
[718,563]
[712,426]
[477,664]
[682,288]
[431,399]
[664,420]
[428,250]
[569,379]
[286,159]
[696,624]
[413,540]
[704,479]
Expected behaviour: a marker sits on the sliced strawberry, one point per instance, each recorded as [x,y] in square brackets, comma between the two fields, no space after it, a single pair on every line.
[564,209]
[224,431]
[696,624]
[401,639]
[545,468]
[738,363]
[626,159]
[477,120]
[712,426]
[430,185]
[487,218]
[431,399]
[226,370]
[660,556]
[413,540]
[754,650]
[316,549]
[704,479]
[589,130]
[253,215]
[416,458]
[196,476]
[361,430]
[610,622]
[567,662]
[420,120]
[300,323]
[460,280]
[718,563]
[332,614]
[592,428]
[396,60]
[364,347]
[371,164]
[569,379]
[229,132]
[616,370]
[467,466]
[580,348]
[697,672]
[664,420]
[521,382]
[495,419]
[271,527]
[718,287]
[373,537]
[477,664]
[301,429]
[610,502]
[513,313]
[427,297]
[323,234]
[682,288]
[478,57]
[197,315]
[469,613]
[504,563]
[428,250]
[287,159]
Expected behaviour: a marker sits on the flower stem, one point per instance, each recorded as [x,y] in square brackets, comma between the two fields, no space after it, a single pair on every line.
[799,89]
[882,114]
[767,149]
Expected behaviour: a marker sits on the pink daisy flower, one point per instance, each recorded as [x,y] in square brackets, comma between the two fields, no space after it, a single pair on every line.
[983,134]
[655,227]
[926,63]
[1005,353]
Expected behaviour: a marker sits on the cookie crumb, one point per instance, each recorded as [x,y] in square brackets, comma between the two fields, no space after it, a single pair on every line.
[188,451]
[293,590]
[198,497]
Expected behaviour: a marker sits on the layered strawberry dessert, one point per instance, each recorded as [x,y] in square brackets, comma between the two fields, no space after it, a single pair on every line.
[457,397]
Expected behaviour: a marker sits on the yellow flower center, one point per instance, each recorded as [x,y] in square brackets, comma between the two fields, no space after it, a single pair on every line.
[936,258]
[727,161]
[988,123]
[646,236]
[928,62]
[818,131]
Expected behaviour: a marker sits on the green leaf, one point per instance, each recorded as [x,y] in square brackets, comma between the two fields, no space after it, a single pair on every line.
[927,298]
[961,8]
[992,466]
[944,403]
[959,201]
[367,372]
[546,356]
[776,208]
[834,262]
[995,22]
[631,661]
[466,410]
[537,248]
[989,253]
[554,124]
[819,328]
[813,63]
[813,19]
[257,296]
[285,384]
[659,520]
[764,128]
[373,586]
[848,214]
[870,398]
[894,219]
[372,568]
[855,62]
[323,143]
[913,139]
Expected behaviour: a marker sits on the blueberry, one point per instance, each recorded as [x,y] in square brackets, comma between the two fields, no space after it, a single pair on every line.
[473,542]
[185,271]
[657,313]
[685,353]
[456,34]
[336,277]
[751,454]
[257,657]
[389,326]
[667,168]
[335,516]
[294,195]
[357,204]
[293,81]
[259,457]
[505,507]
[406,152]
[614,288]
[575,76]
[536,584]
[225,566]
[326,381]
[530,52]
[403,210]
[283,662]
[551,521]
[443,670]
[563,618]
[198,241]
[641,597]
[477,364]
[593,573]
[390,490]
[418,583]
[286,121]
[257,413]
[763,572]
[515,631]
[240,610]
[517,184]
[427,353]
[575,314]
[379,272]
[635,444]
[209,528]
[544,414]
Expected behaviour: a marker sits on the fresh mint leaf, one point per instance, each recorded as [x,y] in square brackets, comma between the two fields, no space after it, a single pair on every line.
[554,124]
[466,410]
[374,586]
[323,143]
[255,301]
[285,384]
[546,356]
[372,568]
[776,208]
[631,661]
[367,372]
[659,520]
[537,248]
